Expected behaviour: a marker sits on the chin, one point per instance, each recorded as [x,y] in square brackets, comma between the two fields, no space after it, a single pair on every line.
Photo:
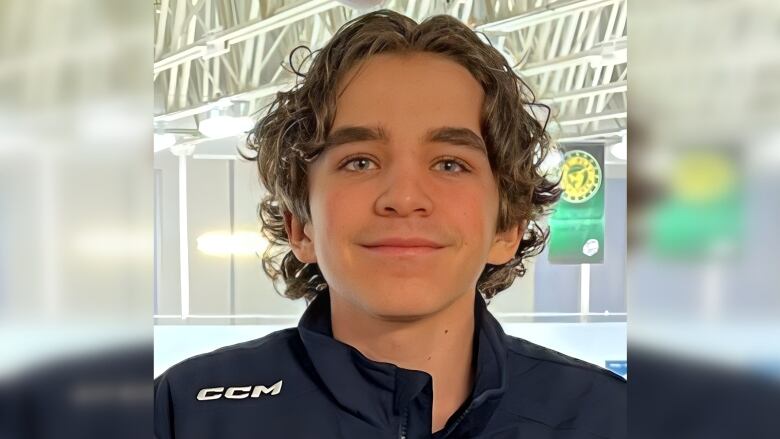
[398,304]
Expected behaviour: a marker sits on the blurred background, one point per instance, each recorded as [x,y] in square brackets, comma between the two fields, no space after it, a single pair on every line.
[90,236]
[703,277]
[219,63]
[76,218]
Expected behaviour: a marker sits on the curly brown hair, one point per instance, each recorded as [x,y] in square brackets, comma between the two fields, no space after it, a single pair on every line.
[296,125]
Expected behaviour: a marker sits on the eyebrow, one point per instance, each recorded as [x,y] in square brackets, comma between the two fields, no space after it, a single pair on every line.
[452,135]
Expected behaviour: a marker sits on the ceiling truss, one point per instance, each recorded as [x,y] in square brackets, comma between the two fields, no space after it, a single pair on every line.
[571,52]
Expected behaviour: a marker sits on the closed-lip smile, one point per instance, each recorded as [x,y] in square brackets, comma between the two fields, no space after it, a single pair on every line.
[404,242]
[403,246]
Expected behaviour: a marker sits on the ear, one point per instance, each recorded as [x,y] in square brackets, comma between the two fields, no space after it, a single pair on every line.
[506,243]
[300,238]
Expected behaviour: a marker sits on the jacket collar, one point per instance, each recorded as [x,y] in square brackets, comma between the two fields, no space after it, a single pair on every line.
[380,392]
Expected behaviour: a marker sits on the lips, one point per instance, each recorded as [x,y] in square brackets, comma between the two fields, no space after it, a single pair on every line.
[403,246]
[408,242]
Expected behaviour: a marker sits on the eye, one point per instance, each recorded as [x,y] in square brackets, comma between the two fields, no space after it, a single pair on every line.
[361,161]
[456,162]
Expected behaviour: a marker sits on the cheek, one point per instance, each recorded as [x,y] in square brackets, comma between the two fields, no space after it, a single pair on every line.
[476,210]
[337,212]
[339,215]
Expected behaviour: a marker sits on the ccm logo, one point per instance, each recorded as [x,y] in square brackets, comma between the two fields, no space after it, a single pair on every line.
[238,392]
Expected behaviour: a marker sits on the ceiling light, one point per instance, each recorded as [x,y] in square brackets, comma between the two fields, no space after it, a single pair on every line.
[220,126]
[225,244]
[226,119]
[163,141]
[620,150]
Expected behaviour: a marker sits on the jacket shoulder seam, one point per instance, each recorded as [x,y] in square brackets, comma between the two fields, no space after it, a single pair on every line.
[244,345]
[564,360]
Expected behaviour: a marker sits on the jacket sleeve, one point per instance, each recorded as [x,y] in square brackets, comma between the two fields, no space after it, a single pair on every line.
[163,408]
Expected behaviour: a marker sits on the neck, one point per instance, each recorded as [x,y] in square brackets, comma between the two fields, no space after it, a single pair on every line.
[440,344]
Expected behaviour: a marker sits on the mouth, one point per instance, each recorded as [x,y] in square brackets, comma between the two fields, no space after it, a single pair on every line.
[391,250]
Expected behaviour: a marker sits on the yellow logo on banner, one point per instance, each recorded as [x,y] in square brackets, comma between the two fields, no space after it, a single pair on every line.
[581,176]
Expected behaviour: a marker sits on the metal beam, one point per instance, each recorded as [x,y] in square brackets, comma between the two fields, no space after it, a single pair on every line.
[622,114]
[591,135]
[593,54]
[184,249]
[616,87]
[245,96]
[548,12]
[206,46]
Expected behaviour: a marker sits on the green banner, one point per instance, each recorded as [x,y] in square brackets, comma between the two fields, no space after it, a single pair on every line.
[577,224]
[701,212]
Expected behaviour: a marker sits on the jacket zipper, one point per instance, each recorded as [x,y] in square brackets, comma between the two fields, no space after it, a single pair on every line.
[457,421]
[462,415]
[404,420]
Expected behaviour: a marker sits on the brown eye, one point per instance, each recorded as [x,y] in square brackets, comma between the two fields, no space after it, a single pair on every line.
[361,162]
[453,162]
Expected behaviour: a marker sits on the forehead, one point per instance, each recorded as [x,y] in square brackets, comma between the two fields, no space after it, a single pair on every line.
[411,92]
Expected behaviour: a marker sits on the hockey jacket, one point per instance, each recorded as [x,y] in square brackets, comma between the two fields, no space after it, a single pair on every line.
[303,383]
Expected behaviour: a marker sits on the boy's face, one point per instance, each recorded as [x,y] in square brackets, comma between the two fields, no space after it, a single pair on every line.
[390,174]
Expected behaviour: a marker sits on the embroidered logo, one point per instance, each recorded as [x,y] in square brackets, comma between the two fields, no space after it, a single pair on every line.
[239,392]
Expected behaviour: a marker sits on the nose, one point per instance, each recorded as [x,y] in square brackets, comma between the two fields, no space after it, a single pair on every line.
[404,189]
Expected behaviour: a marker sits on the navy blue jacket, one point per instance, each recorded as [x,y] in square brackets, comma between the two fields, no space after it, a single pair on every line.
[303,383]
